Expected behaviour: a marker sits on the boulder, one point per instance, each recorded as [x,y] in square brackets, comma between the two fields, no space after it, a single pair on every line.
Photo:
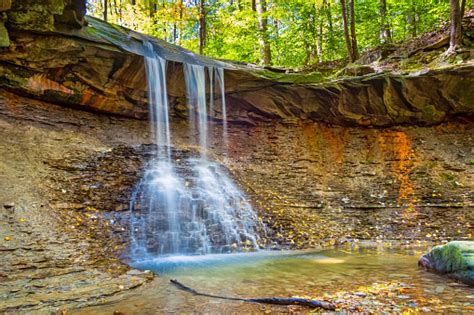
[455,259]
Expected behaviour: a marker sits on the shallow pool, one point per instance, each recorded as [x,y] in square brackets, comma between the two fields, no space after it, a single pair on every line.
[366,279]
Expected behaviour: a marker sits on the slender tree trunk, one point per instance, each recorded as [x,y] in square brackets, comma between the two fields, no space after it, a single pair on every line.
[104,11]
[111,11]
[265,53]
[463,8]
[385,34]
[327,5]
[254,6]
[175,25]
[202,26]
[412,20]
[355,51]
[319,43]
[180,21]
[121,12]
[175,32]
[455,28]
[346,31]
[310,40]
[277,37]
[115,7]
[152,8]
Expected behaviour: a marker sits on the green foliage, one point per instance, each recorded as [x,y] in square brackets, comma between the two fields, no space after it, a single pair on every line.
[300,32]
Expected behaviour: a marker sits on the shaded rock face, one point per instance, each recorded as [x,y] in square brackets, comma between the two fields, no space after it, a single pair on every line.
[454,259]
[378,100]
[75,74]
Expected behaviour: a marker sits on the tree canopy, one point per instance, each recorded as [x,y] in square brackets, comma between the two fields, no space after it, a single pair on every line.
[289,33]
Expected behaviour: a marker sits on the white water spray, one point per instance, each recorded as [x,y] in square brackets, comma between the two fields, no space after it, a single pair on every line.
[191,206]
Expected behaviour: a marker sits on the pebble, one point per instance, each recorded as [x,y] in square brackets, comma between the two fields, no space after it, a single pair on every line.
[360,294]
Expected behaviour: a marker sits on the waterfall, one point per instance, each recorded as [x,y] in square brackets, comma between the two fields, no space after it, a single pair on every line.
[195,78]
[158,97]
[187,205]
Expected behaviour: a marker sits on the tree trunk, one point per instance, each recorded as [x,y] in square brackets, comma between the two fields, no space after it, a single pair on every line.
[254,6]
[180,24]
[455,28]
[265,53]
[463,8]
[412,20]
[175,32]
[104,11]
[202,27]
[175,24]
[385,34]
[346,30]
[309,41]
[327,6]
[319,42]
[355,51]
[153,7]
[115,7]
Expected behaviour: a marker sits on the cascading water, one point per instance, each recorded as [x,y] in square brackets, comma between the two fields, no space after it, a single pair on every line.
[190,207]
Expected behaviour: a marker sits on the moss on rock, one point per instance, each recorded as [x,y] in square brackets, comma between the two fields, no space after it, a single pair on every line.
[456,259]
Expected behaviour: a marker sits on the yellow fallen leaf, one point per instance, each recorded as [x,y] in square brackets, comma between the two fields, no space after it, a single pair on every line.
[7,238]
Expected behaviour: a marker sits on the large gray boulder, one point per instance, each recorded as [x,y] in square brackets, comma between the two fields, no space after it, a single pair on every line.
[455,259]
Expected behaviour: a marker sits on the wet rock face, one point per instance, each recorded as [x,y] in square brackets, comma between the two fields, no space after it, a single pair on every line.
[454,259]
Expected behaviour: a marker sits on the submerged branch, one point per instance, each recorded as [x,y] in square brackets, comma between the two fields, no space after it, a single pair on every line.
[276,301]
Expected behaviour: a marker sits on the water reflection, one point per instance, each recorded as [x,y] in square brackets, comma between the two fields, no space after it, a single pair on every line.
[286,274]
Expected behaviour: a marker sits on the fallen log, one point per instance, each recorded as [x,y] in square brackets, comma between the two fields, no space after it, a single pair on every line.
[275,301]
